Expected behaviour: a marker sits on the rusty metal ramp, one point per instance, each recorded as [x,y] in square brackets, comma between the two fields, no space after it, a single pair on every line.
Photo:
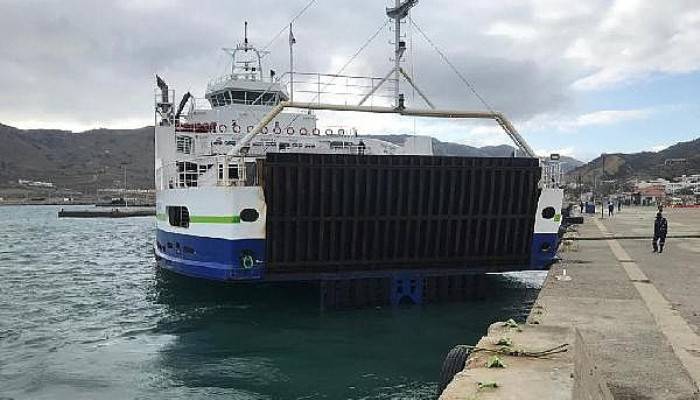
[337,214]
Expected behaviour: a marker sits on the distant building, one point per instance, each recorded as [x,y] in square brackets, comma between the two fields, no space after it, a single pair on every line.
[654,182]
[691,182]
[26,182]
[674,161]
[650,195]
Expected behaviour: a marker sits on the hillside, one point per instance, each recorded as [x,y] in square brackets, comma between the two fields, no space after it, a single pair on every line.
[77,160]
[457,149]
[95,158]
[644,165]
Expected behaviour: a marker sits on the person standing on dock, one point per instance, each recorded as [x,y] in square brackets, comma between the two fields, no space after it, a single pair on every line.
[611,208]
[660,231]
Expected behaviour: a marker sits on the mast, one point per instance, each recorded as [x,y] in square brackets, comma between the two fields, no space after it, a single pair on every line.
[245,47]
[399,12]
[397,54]
[291,63]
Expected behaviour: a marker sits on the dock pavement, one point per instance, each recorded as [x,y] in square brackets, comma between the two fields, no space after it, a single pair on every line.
[630,319]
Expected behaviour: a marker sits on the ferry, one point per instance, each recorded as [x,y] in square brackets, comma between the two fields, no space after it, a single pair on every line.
[252,186]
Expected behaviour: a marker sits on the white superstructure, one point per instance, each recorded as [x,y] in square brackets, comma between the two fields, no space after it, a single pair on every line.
[211,209]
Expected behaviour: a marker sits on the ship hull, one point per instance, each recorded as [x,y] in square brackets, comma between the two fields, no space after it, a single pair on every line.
[209,258]
[219,265]
[304,232]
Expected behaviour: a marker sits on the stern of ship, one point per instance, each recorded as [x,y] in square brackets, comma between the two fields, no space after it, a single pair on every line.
[545,238]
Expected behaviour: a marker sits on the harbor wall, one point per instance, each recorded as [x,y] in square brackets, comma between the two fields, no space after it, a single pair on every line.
[627,317]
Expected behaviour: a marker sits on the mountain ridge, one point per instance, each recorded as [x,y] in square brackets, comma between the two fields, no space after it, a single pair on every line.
[97,158]
[665,163]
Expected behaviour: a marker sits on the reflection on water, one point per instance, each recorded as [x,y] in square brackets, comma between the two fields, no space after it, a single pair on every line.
[84,314]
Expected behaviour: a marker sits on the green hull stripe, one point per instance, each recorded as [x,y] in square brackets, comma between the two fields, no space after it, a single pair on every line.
[229,219]
[205,219]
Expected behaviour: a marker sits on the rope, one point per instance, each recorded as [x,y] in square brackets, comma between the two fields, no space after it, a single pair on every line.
[449,63]
[562,348]
[364,45]
[347,63]
[286,26]
[413,75]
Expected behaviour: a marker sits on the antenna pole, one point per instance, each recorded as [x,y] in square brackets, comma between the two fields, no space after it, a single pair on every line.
[397,54]
[245,35]
[291,63]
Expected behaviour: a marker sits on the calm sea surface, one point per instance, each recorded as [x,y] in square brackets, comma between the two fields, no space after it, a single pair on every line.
[85,315]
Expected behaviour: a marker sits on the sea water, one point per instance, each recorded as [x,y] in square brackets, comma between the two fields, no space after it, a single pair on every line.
[85,314]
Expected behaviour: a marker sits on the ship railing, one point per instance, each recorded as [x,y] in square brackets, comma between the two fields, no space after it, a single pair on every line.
[314,87]
[215,83]
[241,171]
[177,175]
[209,172]
[201,105]
[551,173]
[164,107]
[334,149]
[324,88]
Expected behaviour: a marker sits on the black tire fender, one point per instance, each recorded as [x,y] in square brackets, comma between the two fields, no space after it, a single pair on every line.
[454,362]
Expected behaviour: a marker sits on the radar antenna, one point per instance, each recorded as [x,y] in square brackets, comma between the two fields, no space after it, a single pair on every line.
[246,64]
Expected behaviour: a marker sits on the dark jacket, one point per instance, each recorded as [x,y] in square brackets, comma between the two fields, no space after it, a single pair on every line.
[660,227]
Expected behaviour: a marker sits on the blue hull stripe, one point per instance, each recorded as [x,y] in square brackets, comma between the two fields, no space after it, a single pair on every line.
[221,259]
[210,258]
[542,259]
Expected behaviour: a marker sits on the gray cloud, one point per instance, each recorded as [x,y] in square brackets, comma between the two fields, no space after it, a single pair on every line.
[92,62]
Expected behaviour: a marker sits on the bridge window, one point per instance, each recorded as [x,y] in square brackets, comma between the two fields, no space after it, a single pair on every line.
[183,144]
[244,97]
[238,96]
[187,174]
[232,172]
[203,168]
[270,99]
[178,216]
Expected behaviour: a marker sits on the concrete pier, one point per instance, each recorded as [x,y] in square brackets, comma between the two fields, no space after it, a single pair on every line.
[630,317]
[125,212]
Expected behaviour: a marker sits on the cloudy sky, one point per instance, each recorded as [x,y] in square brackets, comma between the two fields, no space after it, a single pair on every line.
[579,78]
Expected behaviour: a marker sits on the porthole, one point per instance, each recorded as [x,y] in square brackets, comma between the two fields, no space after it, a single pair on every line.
[249,215]
[178,216]
[545,247]
[548,212]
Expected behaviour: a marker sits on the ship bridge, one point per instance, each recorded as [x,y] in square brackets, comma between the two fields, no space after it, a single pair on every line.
[246,84]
